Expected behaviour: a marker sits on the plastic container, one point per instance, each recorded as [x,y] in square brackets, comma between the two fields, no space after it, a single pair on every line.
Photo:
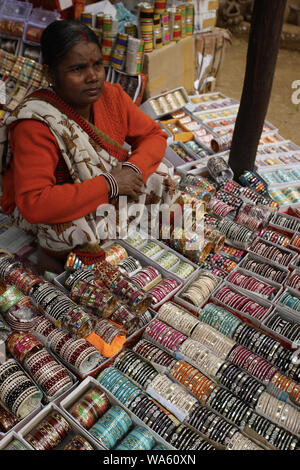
[13,18]
[149,108]
[37,22]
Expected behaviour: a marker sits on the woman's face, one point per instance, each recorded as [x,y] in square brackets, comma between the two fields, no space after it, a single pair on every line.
[80,75]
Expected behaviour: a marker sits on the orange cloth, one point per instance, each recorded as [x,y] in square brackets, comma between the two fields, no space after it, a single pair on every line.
[107,350]
[31,181]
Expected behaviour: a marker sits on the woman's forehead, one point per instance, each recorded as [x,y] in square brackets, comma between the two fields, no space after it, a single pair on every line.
[82,51]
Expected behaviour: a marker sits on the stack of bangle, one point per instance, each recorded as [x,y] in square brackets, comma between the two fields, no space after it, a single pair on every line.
[241,303]
[265,270]
[286,222]
[22,345]
[232,252]
[77,352]
[208,362]
[164,335]
[122,287]
[282,326]
[77,323]
[293,281]
[254,223]
[275,237]
[115,253]
[229,406]
[52,377]
[183,270]
[114,188]
[221,209]
[237,234]
[252,363]
[15,444]
[220,319]
[147,278]
[7,420]
[118,385]
[111,427]
[231,187]
[217,238]
[200,289]
[90,407]
[9,298]
[173,393]
[153,354]
[213,340]
[186,439]
[130,264]
[250,283]
[135,239]
[295,241]
[290,301]
[128,320]
[137,439]
[243,385]
[135,368]
[198,181]
[84,274]
[20,318]
[107,330]
[177,317]
[276,436]
[222,262]
[265,346]
[18,393]
[284,386]
[241,442]
[213,427]
[196,383]
[93,298]
[49,433]
[163,289]
[78,442]
[154,415]
[150,249]
[167,260]
[229,199]
[13,273]
[280,412]
[272,252]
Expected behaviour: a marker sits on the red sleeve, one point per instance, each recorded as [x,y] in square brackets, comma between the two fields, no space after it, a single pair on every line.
[38,197]
[146,137]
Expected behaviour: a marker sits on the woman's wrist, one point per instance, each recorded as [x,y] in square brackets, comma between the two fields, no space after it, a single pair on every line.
[113,186]
[133,167]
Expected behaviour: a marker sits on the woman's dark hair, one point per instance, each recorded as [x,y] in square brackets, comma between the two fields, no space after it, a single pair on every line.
[60,36]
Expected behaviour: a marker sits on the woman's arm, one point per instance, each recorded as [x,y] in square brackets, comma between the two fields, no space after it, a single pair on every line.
[146,137]
[38,197]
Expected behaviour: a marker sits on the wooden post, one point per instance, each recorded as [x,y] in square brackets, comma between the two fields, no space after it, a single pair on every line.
[264,39]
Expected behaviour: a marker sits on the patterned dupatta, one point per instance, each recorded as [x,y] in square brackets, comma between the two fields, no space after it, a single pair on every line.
[87,152]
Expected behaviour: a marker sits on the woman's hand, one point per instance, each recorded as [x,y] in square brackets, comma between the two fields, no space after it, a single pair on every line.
[129,182]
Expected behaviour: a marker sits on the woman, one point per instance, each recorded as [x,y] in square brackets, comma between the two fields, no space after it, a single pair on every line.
[67,147]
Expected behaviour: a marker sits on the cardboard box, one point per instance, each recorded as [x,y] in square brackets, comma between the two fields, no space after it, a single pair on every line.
[170,67]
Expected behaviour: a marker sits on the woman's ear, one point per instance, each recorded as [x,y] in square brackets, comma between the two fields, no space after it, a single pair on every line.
[49,75]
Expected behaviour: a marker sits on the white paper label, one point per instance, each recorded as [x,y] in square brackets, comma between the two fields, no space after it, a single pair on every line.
[64,4]
[2,93]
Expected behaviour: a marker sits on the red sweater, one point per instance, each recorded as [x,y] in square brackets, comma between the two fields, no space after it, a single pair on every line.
[37,164]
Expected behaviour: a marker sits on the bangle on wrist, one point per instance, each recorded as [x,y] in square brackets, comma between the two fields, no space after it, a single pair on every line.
[132,166]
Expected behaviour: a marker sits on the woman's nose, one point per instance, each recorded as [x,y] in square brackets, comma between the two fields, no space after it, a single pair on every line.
[91,74]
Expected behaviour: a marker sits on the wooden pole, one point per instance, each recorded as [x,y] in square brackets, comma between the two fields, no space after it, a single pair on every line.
[264,39]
